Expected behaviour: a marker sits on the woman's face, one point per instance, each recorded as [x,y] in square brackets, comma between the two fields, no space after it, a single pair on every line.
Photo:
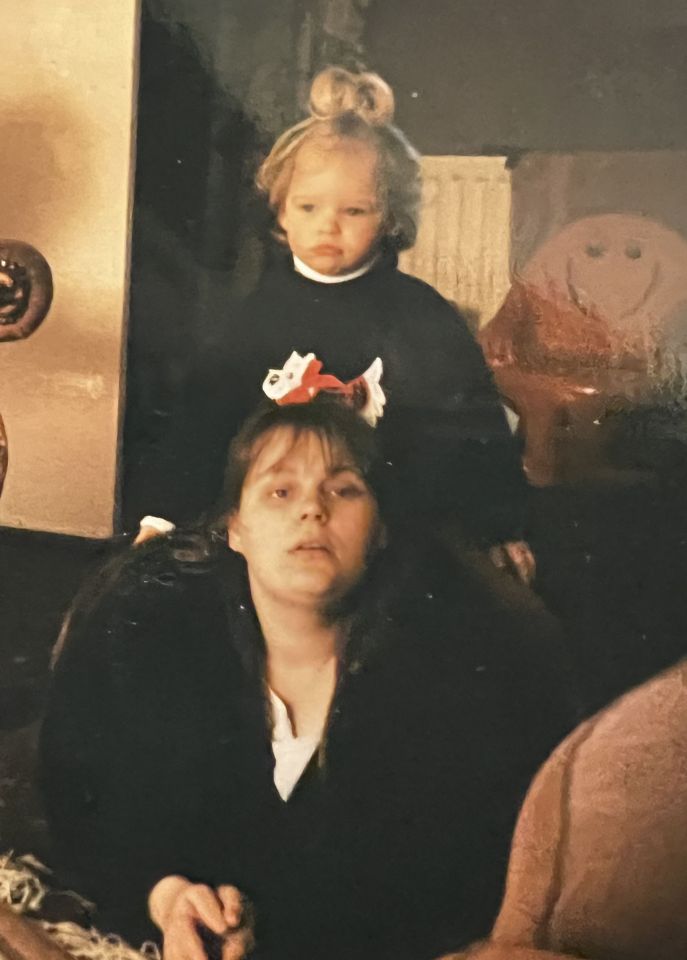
[306,521]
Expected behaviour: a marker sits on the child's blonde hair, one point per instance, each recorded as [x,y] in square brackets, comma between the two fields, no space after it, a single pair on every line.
[348,106]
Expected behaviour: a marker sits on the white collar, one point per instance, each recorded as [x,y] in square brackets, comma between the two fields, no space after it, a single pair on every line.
[311,274]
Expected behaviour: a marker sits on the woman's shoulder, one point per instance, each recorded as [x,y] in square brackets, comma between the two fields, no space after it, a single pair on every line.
[145,595]
[455,607]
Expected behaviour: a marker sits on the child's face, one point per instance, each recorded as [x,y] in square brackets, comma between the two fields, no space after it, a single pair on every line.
[331,214]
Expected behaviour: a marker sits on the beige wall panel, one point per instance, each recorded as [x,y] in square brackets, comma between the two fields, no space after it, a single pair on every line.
[67,79]
[463,247]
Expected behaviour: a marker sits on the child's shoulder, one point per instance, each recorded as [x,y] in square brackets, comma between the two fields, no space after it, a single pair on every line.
[414,299]
[419,291]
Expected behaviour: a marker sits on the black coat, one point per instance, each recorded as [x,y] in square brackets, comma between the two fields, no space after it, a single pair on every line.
[156,758]
[444,429]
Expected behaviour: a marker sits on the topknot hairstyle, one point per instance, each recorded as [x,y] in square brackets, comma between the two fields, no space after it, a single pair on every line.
[349,106]
[335,92]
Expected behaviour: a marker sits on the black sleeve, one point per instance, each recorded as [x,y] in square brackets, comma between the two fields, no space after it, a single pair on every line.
[448,427]
[114,799]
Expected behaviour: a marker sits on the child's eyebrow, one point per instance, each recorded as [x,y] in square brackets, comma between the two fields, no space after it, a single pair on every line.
[346,202]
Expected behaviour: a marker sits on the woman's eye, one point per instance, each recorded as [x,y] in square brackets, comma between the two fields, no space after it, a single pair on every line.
[280,493]
[348,491]
[355,211]
[307,207]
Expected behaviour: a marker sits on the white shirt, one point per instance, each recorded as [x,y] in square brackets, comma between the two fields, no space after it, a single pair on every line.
[292,754]
[311,274]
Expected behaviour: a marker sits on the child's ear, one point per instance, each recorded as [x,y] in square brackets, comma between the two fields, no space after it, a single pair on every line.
[234,533]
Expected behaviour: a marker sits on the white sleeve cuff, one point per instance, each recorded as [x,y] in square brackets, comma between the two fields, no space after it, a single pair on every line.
[158,523]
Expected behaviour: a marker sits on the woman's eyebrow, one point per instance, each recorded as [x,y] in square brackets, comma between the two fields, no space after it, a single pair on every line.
[276,469]
[344,468]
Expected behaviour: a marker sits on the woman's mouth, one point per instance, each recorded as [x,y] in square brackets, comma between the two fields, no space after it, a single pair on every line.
[310,547]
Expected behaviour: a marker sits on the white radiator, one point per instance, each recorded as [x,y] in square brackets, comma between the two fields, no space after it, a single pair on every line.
[463,247]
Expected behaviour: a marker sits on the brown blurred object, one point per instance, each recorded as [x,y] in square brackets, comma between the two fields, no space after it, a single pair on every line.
[25,289]
[497,951]
[597,866]
[3,454]
[583,331]
[23,939]
[25,298]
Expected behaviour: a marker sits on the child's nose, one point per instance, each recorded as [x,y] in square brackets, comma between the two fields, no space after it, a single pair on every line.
[329,222]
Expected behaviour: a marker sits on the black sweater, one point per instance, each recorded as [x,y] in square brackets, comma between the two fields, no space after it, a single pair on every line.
[444,429]
[157,758]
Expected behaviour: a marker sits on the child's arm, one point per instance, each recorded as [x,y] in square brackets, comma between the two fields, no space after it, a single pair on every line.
[448,428]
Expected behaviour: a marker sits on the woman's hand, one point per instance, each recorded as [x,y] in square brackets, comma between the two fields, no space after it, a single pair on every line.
[183,910]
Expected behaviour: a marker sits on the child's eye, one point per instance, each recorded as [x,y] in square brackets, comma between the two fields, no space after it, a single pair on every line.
[306,207]
[280,493]
[355,211]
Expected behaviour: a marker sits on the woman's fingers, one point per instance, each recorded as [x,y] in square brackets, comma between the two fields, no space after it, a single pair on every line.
[182,942]
[237,945]
[222,912]
[231,903]
[205,906]
[238,913]
[196,905]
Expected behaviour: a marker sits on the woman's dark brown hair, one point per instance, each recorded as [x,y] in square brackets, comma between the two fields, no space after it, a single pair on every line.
[327,417]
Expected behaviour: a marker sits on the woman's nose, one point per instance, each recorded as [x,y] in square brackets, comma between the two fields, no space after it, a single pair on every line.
[314,508]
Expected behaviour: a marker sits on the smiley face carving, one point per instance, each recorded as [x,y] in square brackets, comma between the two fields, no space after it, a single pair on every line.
[596,320]
[627,270]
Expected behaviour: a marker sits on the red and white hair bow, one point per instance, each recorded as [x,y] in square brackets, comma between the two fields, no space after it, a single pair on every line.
[301,380]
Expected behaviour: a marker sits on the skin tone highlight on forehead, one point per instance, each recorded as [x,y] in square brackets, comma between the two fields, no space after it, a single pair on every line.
[319,151]
[315,151]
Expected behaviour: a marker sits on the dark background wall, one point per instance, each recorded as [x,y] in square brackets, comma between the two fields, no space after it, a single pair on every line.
[534,74]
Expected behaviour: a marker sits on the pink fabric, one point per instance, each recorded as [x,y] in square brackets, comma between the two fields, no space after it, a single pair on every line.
[599,861]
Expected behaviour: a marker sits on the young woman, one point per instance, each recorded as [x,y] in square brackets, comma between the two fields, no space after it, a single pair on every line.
[318,717]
